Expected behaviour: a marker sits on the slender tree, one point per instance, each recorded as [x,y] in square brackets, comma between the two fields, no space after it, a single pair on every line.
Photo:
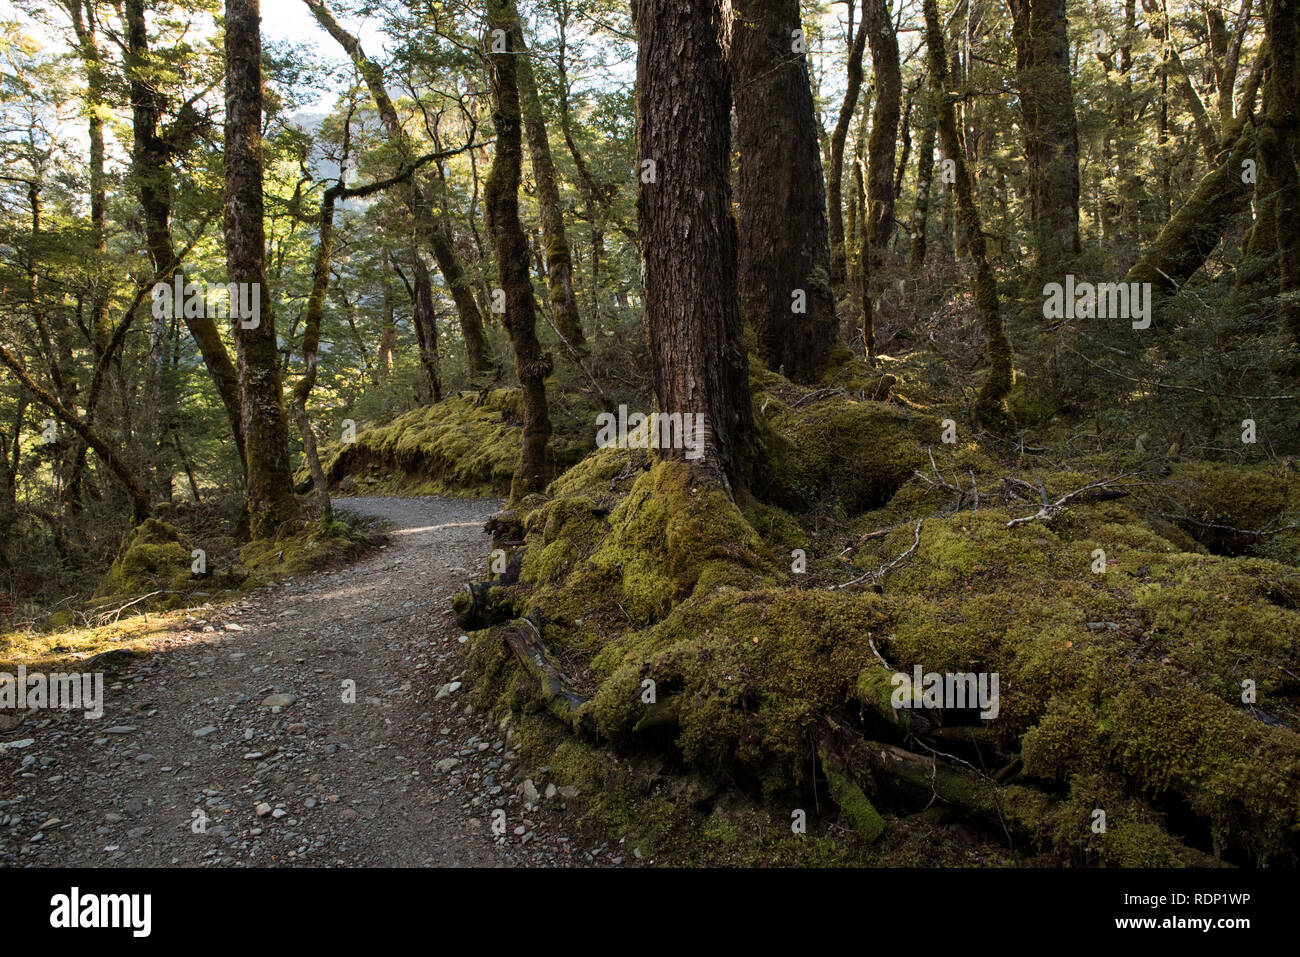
[559,258]
[997,383]
[430,231]
[1040,33]
[834,186]
[501,197]
[879,225]
[269,479]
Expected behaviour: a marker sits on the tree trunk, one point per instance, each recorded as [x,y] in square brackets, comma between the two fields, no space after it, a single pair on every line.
[1279,152]
[688,237]
[921,206]
[997,384]
[1191,235]
[426,325]
[559,258]
[269,478]
[878,26]
[501,198]
[785,288]
[153,182]
[134,490]
[834,206]
[1051,135]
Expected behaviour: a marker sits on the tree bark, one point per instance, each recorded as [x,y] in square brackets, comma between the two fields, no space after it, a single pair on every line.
[1051,135]
[153,182]
[501,198]
[688,238]
[268,477]
[878,26]
[1279,152]
[784,273]
[834,186]
[997,384]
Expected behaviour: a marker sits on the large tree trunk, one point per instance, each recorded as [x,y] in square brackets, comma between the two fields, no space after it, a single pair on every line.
[834,202]
[784,274]
[429,231]
[269,478]
[501,197]
[879,224]
[997,384]
[153,182]
[688,237]
[1050,132]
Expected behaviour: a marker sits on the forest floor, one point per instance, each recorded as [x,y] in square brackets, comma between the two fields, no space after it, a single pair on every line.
[230,742]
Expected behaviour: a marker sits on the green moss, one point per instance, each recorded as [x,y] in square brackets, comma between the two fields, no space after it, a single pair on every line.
[854,803]
[301,547]
[855,453]
[153,556]
[463,445]
[1219,504]
[1119,689]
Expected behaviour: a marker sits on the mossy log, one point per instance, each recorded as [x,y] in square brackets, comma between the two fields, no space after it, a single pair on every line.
[522,638]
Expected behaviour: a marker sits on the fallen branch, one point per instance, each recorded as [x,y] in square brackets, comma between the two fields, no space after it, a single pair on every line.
[883,569]
[522,637]
[1050,510]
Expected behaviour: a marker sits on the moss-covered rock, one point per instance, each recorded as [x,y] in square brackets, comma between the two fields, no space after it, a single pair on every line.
[153,556]
[857,454]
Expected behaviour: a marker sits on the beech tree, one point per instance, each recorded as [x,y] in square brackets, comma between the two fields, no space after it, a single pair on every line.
[784,278]
[997,383]
[269,479]
[688,237]
[879,219]
[501,195]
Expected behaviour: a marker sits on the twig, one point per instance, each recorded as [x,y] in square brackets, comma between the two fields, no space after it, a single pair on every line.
[818,394]
[1049,510]
[881,571]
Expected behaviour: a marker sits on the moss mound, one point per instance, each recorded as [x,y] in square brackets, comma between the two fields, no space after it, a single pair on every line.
[303,546]
[853,453]
[154,556]
[466,444]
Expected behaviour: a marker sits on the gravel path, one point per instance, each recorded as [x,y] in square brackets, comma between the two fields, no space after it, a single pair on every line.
[193,739]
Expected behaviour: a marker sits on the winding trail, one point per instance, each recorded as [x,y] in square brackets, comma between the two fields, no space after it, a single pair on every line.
[192,735]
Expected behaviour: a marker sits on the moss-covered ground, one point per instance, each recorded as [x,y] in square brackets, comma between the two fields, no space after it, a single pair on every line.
[733,657]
